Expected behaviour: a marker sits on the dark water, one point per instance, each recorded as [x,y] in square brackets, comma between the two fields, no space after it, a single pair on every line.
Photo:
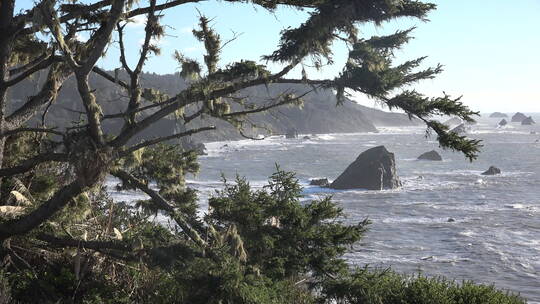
[495,237]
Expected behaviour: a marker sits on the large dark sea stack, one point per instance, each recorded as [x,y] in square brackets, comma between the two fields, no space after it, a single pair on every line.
[374,169]
[498,115]
[518,117]
[528,121]
[492,171]
[431,155]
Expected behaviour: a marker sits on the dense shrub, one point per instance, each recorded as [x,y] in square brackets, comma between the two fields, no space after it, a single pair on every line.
[387,287]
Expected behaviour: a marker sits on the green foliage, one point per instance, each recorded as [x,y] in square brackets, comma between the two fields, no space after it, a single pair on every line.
[387,287]
[40,182]
[189,68]
[166,165]
[242,70]
[314,37]
[263,247]
[212,43]
[282,237]
[255,246]
[369,69]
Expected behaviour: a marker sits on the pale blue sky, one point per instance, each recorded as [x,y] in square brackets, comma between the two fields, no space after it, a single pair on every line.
[489,49]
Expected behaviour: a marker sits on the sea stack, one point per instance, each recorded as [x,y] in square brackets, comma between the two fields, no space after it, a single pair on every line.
[498,115]
[431,155]
[321,182]
[503,122]
[528,121]
[492,171]
[373,169]
[518,117]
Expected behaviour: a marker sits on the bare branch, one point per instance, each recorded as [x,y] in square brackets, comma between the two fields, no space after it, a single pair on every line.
[154,141]
[102,36]
[268,107]
[95,245]
[150,23]
[125,65]
[37,130]
[189,96]
[40,66]
[56,31]
[123,114]
[112,79]
[20,69]
[29,164]
[191,117]
[58,73]
[135,92]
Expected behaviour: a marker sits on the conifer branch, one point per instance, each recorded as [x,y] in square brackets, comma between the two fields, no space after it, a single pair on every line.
[162,204]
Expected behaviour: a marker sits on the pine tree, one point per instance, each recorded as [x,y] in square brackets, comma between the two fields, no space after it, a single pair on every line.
[60,172]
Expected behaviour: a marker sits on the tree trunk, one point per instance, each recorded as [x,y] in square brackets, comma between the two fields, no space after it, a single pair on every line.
[6,44]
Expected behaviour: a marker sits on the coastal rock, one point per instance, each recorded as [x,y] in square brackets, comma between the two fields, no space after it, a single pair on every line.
[373,169]
[459,129]
[498,115]
[518,117]
[321,182]
[431,155]
[199,148]
[291,133]
[306,137]
[503,122]
[528,121]
[492,171]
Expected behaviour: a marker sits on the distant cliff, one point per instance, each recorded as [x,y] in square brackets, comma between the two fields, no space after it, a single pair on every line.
[319,113]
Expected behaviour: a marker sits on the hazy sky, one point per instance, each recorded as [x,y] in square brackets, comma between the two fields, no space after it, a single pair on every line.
[490,49]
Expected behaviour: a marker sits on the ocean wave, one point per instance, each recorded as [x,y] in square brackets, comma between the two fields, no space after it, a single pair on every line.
[421,220]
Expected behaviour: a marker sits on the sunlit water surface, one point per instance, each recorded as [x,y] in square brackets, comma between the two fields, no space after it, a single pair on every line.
[495,235]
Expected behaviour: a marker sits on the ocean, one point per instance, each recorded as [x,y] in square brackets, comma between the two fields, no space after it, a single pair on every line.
[494,237]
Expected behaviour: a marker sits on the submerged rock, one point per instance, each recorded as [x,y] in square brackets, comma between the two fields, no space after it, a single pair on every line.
[451,220]
[503,122]
[492,171]
[431,155]
[291,133]
[373,169]
[497,115]
[528,121]
[306,137]
[321,182]
[518,117]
